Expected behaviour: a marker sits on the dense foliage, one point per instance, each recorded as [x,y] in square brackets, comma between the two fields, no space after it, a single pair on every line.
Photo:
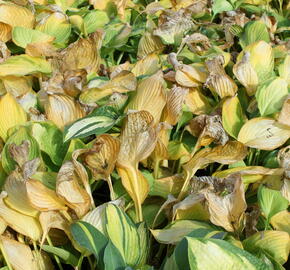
[141,134]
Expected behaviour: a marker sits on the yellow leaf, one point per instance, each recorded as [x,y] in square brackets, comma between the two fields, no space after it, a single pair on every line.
[228,210]
[149,44]
[263,133]
[281,221]
[146,66]
[20,65]
[284,118]
[62,109]
[196,102]
[150,96]
[83,54]
[52,220]
[22,224]
[17,195]
[246,74]
[43,198]
[5,32]
[19,255]
[16,15]
[68,188]
[11,114]
[175,100]
[138,140]
[102,157]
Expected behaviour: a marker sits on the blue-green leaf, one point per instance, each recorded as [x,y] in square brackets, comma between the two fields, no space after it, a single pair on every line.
[65,255]
[90,238]
[113,260]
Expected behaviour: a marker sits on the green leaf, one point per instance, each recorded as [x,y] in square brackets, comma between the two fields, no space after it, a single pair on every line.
[94,20]
[271,201]
[275,243]
[221,6]
[66,256]
[270,96]
[56,25]
[113,260]
[90,238]
[49,138]
[22,36]
[196,253]
[98,122]
[21,65]
[254,31]
[74,145]
[124,235]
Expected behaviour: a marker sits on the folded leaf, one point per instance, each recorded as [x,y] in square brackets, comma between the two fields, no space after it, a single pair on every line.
[22,224]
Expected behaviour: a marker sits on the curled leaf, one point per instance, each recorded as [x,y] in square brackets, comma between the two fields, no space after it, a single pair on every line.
[228,210]
[69,188]
[43,198]
[21,223]
[101,158]
[62,109]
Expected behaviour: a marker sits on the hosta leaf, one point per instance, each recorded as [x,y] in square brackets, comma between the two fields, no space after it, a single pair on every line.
[254,31]
[22,36]
[55,25]
[281,221]
[90,238]
[271,201]
[193,253]
[263,133]
[43,198]
[49,138]
[65,255]
[221,5]
[16,15]
[113,259]
[11,114]
[23,64]
[62,109]
[150,90]
[270,96]
[94,20]
[19,255]
[232,116]
[173,233]
[98,122]
[22,134]
[124,234]
[276,243]
[23,224]
[261,58]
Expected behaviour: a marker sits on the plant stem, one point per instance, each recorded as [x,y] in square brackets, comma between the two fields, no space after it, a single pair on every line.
[156,168]
[55,257]
[112,193]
